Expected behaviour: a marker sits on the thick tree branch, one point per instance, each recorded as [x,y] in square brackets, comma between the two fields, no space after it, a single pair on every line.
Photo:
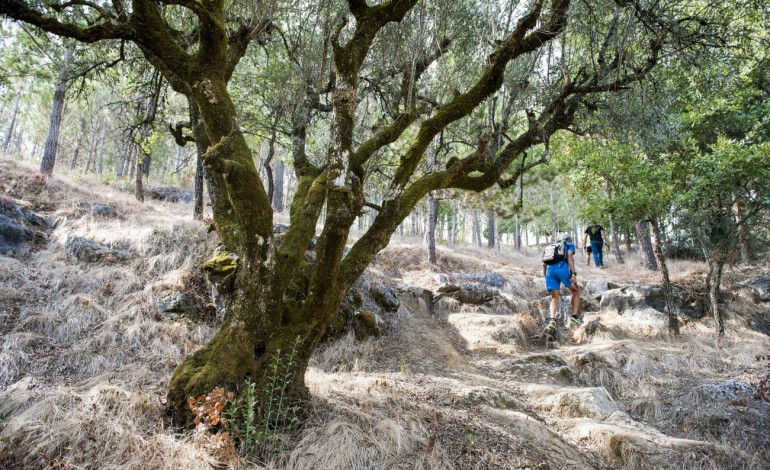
[21,11]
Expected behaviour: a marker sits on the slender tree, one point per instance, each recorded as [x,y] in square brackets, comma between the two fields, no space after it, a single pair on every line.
[51,147]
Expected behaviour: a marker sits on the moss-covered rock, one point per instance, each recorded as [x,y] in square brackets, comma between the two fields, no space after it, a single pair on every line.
[367,324]
[221,269]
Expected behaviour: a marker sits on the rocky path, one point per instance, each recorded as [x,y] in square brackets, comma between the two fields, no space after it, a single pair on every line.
[574,402]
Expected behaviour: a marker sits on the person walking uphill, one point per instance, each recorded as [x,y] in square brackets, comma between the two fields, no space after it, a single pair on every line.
[558,270]
[596,234]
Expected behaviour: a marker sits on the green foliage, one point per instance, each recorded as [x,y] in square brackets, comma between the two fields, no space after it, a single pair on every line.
[710,185]
[259,425]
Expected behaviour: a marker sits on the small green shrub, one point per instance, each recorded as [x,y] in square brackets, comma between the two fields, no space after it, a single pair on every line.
[278,419]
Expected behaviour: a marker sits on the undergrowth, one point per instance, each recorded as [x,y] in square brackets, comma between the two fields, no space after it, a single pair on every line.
[763,388]
[256,424]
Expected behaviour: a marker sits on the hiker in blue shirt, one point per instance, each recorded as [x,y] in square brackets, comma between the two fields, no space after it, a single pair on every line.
[562,272]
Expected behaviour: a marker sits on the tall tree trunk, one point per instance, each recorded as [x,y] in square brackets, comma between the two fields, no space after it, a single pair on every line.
[477,228]
[100,148]
[628,239]
[280,169]
[143,157]
[76,150]
[430,234]
[517,233]
[645,245]
[57,109]
[12,124]
[490,229]
[202,144]
[744,243]
[92,144]
[615,243]
[668,294]
[19,141]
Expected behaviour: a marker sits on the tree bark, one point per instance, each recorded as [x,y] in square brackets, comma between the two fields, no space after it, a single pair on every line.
[100,148]
[430,234]
[490,229]
[57,109]
[517,233]
[76,150]
[278,189]
[744,243]
[477,229]
[143,158]
[645,245]
[668,294]
[615,243]
[12,124]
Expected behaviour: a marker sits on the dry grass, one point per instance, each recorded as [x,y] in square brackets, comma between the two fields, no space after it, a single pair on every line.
[84,358]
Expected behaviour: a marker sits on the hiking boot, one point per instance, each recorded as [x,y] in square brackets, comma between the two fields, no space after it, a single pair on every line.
[550,329]
[575,321]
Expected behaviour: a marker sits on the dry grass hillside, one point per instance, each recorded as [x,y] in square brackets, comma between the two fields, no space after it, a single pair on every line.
[85,356]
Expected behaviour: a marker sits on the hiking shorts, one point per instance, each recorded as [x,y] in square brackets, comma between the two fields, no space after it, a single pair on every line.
[557,275]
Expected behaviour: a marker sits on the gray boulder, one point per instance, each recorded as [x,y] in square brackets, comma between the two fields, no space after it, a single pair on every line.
[13,235]
[489,279]
[84,250]
[18,227]
[171,194]
[179,304]
[102,210]
[475,294]
[384,297]
[596,287]
[645,304]
[759,286]
[730,390]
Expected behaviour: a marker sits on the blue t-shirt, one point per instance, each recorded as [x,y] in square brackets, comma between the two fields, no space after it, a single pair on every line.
[562,264]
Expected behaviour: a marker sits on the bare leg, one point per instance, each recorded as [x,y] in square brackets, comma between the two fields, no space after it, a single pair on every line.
[575,299]
[555,297]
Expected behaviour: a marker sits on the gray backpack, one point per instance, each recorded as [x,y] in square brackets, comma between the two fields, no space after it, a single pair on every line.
[555,253]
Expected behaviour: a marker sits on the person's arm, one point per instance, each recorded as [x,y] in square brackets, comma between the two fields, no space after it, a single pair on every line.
[585,241]
[544,268]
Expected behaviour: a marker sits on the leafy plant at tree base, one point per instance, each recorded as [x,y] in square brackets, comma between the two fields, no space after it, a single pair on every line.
[260,425]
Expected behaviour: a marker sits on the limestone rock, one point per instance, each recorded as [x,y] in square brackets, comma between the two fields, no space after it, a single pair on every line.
[474,294]
[759,286]
[103,210]
[13,235]
[384,296]
[494,397]
[594,288]
[592,402]
[170,194]
[490,279]
[730,390]
[179,304]
[88,251]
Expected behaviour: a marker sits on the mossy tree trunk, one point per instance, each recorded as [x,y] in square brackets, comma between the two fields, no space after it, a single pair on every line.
[274,300]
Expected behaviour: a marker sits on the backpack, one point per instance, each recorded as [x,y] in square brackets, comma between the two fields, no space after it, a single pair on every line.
[554,253]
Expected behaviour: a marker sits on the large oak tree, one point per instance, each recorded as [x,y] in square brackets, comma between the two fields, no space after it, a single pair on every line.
[274,298]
